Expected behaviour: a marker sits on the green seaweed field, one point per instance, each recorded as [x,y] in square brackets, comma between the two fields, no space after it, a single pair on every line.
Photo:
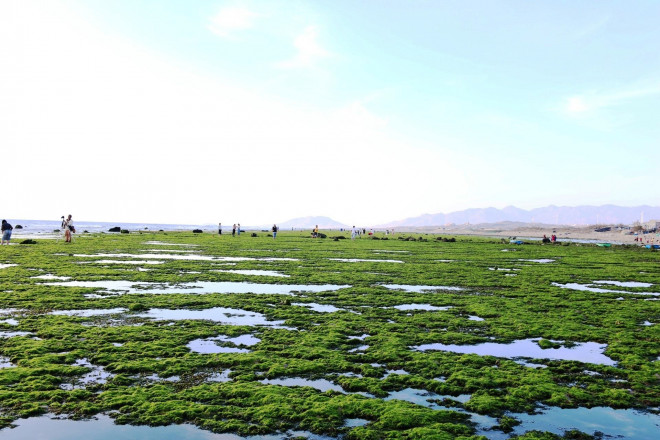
[340,338]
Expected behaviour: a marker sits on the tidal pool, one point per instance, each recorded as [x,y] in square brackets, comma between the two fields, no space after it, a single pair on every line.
[425,398]
[625,424]
[322,385]
[418,289]
[475,318]
[198,287]
[625,283]
[264,273]
[5,335]
[426,307]
[50,276]
[5,266]
[538,260]
[97,375]
[102,427]
[591,288]
[89,313]
[162,256]
[9,321]
[321,308]
[589,352]
[363,260]
[5,362]
[216,314]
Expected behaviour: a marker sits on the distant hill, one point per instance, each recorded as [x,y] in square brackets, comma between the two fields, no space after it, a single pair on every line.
[551,215]
[310,222]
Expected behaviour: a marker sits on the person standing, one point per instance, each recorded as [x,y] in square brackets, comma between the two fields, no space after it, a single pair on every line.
[219,228]
[68,229]
[233,230]
[6,232]
[275,229]
[353,233]
[239,229]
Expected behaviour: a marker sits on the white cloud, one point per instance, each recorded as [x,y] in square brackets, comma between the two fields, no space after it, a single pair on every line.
[230,20]
[587,103]
[309,50]
[105,130]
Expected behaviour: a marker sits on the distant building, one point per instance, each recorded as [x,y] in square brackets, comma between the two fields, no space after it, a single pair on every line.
[651,225]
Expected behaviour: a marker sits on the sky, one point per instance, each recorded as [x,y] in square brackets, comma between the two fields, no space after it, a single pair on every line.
[363,111]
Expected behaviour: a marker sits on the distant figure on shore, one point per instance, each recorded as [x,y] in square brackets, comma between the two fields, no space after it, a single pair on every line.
[545,239]
[219,228]
[6,232]
[238,229]
[353,233]
[68,229]
[275,229]
[553,238]
[233,230]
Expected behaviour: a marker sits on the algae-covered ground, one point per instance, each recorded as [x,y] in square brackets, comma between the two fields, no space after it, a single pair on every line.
[355,339]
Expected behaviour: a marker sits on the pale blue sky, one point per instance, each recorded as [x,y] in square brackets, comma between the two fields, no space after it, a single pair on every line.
[364,111]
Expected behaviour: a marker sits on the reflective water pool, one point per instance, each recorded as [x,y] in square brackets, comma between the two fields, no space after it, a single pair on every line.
[217,314]
[590,352]
[426,307]
[418,289]
[198,287]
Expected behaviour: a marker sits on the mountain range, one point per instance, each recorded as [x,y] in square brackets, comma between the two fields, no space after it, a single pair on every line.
[550,215]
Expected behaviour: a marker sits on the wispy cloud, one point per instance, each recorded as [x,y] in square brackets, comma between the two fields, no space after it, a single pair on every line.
[309,50]
[231,20]
[583,104]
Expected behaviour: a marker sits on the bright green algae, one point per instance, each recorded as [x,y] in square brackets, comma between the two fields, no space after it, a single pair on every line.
[516,303]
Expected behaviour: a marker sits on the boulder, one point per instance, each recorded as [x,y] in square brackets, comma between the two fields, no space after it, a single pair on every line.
[254,234]
[197,231]
[28,241]
[18,227]
[115,229]
[125,231]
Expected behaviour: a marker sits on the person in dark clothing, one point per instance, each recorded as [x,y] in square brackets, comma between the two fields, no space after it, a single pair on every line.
[6,231]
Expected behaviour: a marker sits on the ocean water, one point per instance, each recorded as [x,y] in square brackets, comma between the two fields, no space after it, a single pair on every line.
[43,227]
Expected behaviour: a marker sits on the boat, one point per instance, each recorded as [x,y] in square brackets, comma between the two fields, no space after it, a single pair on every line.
[604,244]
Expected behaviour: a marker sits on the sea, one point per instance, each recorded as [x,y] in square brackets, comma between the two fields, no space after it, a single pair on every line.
[46,228]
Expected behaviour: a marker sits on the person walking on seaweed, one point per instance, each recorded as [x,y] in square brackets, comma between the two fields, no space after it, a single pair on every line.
[68,229]
[6,232]
[238,229]
[233,230]
[353,233]
[275,229]
[219,228]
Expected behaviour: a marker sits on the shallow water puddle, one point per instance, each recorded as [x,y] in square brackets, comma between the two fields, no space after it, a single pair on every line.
[97,375]
[322,385]
[592,288]
[216,314]
[321,308]
[418,289]
[199,287]
[5,266]
[424,398]
[162,243]
[162,256]
[426,307]
[590,352]
[5,335]
[5,362]
[209,345]
[50,276]
[89,312]
[363,260]
[625,283]
[538,260]
[136,262]
[475,318]
[9,321]
[265,273]
[625,424]
[102,427]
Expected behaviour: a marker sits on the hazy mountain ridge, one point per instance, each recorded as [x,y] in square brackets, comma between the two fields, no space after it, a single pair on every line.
[552,215]
[310,222]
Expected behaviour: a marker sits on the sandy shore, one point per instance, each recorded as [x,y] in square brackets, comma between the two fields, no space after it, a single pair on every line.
[537,232]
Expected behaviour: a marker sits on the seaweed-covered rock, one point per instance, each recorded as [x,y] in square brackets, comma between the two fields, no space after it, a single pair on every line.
[338,237]
[18,227]
[322,235]
[254,234]
[124,231]
[197,231]
[28,241]
[115,229]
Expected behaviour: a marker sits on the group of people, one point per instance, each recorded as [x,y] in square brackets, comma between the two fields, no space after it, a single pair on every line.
[552,239]
[235,228]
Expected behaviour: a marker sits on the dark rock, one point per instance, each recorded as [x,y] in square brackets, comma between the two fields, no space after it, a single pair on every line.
[338,237]
[56,230]
[125,231]
[115,229]
[321,235]
[18,227]
[254,234]
[28,241]
[197,231]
